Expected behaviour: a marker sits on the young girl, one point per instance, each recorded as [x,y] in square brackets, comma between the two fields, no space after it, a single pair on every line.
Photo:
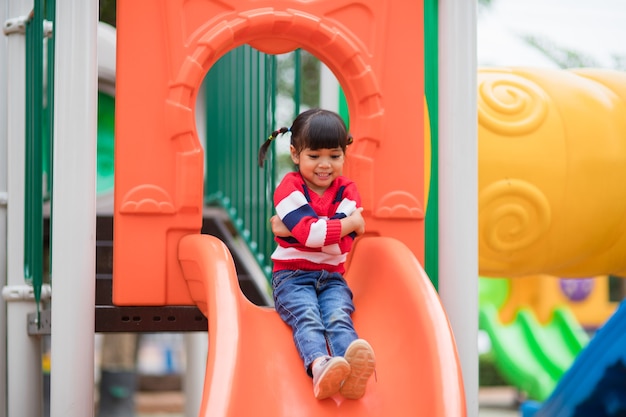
[318,217]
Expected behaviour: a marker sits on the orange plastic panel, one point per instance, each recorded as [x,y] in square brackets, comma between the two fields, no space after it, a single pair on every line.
[253,368]
[164,50]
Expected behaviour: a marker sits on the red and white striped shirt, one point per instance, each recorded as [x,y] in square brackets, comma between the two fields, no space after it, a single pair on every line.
[314,222]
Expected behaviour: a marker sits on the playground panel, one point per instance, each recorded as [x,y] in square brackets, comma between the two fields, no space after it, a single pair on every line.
[552,169]
[165,48]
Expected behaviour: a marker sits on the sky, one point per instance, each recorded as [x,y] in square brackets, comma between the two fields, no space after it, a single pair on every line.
[596,28]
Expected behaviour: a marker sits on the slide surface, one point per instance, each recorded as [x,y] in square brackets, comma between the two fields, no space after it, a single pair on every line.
[253,367]
[531,356]
[595,384]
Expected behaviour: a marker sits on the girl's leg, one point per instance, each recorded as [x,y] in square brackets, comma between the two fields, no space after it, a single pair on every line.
[335,301]
[295,300]
[335,298]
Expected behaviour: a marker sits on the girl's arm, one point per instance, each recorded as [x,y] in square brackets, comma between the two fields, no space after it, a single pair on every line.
[297,215]
[278,227]
[353,223]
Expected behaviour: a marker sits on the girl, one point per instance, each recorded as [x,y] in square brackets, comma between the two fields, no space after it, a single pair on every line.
[318,217]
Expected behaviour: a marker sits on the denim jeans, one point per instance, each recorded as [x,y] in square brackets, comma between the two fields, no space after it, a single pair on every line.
[318,307]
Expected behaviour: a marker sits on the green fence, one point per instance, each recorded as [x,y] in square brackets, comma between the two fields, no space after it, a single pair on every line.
[241,104]
[242,91]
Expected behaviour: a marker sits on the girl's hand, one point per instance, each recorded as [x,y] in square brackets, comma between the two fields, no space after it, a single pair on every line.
[353,223]
[278,227]
[357,217]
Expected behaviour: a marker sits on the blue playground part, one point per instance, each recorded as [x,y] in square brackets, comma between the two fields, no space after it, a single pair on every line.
[595,385]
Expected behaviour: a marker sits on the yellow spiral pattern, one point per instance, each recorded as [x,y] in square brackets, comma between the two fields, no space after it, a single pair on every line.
[513,215]
[510,105]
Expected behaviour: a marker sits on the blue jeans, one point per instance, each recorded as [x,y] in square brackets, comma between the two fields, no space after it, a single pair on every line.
[317,305]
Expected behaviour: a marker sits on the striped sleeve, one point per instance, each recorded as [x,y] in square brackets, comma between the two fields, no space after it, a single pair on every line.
[350,200]
[293,208]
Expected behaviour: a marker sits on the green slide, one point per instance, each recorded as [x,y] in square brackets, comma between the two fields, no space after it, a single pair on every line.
[529,355]
[106,127]
[105,147]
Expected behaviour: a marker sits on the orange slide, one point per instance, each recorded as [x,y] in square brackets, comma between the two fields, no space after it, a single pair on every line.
[375,48]
[253,368]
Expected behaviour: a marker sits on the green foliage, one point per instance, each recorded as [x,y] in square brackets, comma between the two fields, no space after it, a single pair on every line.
[310,67]
[619,62]
[563,57]
[309,78]
[107,11]
[617,285]
[569,58]
[488,374]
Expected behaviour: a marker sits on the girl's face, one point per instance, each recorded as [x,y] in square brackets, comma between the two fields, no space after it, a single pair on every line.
[319,167]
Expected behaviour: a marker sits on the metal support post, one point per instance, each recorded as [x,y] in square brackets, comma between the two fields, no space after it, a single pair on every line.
[74,208]
[458,184]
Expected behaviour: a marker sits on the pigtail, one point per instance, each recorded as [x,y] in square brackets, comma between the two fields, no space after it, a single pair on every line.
[268,142]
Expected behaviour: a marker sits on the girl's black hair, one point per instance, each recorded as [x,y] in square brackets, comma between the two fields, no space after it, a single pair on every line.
[268,142]
[314,129]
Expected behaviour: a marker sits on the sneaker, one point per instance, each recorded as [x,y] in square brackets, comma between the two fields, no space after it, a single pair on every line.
[360,356]
[328,374]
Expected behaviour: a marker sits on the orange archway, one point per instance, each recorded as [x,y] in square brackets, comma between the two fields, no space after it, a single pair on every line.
[166,47]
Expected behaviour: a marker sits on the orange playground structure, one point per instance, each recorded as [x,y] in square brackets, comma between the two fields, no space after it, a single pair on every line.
[165,48]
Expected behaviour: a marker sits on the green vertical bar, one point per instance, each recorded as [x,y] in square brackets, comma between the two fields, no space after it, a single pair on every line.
[222,130]
[246,140]
[28,149]
[219,127]
[212,147]
[50,15]
[263,103]
[235,161]
[226,97]
[431,71]
[343,108]
[297,92]
[33,216]
[258,136]
[235,191]
[239,140]
[233,132]
[273,92]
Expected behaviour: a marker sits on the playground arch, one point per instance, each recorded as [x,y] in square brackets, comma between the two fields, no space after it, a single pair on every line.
[159,200]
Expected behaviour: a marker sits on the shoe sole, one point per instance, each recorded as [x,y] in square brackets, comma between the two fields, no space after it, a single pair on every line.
[330,381]
[360,356]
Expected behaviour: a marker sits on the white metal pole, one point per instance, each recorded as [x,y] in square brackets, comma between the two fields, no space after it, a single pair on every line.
[458,184]
[329,89]
[24,391]
[74,209]
[4,62]
[196,348]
